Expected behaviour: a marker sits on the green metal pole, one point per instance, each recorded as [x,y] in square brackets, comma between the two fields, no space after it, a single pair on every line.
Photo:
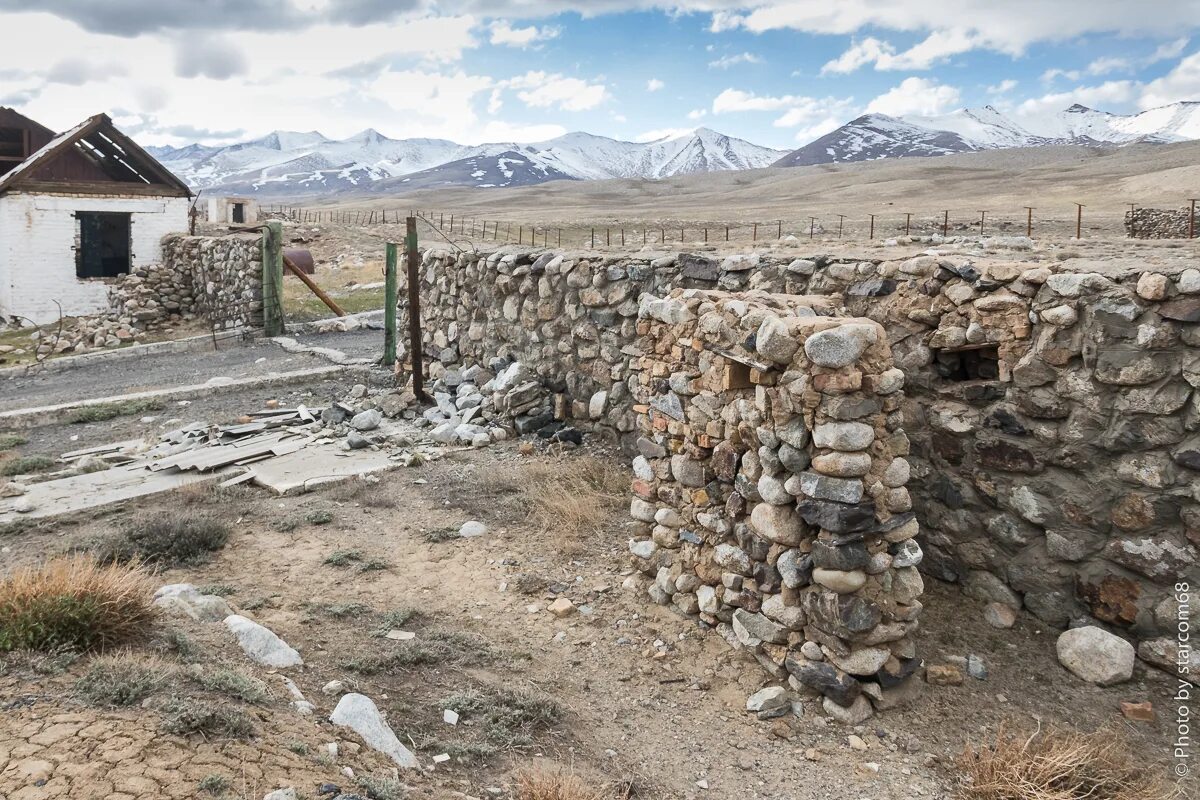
[389,307]
[273,279]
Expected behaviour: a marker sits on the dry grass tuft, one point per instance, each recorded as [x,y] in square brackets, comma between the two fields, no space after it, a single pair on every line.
[123,679]
[74,603]
[1057,765]
[169,539]
[545,784]
[571,498]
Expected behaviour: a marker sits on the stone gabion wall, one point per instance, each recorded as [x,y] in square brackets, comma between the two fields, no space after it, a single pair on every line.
[1157,223]
[1053,412]
[770,493]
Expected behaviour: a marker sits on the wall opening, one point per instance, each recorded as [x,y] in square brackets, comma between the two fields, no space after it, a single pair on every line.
[104,246]
[239,213]
[14,148]
[968,364]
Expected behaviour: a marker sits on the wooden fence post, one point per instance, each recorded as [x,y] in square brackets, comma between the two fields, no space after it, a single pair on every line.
[272,276]
[415,354]
[389,305]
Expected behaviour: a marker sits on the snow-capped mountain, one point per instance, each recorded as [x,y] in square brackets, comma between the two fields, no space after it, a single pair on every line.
[290,163]
[874,136]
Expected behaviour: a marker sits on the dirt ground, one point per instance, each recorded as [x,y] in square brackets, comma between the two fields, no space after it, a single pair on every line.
[649,702]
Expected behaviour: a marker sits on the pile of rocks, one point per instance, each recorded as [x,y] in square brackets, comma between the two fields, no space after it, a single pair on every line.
[1158,223]
[478,405]
[769,492]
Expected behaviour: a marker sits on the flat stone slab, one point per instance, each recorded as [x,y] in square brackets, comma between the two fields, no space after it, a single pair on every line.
[96,489]
[316,465]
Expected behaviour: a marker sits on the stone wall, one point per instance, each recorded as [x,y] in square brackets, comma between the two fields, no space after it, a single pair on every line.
[214,279]
[1053,409]
[1158,223]
[769,489]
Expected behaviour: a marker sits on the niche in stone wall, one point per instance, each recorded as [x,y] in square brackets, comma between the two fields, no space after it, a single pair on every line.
[964,364]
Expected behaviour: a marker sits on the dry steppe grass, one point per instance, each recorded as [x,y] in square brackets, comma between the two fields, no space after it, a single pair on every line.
[1058,765]
[74,603]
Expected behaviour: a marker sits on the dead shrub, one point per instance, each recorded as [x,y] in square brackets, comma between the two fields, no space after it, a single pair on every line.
[74,603]
[546,784]
[571,498]
[510,716]
[170,539]
[1057,765]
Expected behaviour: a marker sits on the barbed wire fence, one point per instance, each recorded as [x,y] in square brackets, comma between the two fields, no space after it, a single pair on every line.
[1074,222]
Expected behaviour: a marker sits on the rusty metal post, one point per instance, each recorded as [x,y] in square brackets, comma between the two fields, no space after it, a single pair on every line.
[1192,220]
[1079,221]
[415,354]
[727,233]
[593,238]
[779,234]
[982,214]
[608,237]
[841,222]
[1132,221]
[755,232]
[872,234]
[812,227]
[907,221]
[1029,221]
[622,236]
[945,224]
[706,235]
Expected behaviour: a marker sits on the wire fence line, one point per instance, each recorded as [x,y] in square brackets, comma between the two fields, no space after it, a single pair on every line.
[1076,222]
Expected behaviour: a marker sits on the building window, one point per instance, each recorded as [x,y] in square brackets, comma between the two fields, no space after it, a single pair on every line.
[104,247]
[239,213]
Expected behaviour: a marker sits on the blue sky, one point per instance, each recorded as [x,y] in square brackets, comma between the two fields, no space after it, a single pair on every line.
[776,72]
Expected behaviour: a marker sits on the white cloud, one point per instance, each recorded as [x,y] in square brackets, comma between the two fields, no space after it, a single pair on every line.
[725,21]
[503,33]
[1107,93]
[1168,50]
[1181,83]
[697,113]
[500,131]
[811,116]
[544,90]
[725,62]
[936,47]
[654,85]
[1003,87]
[918,96]
[1107,64]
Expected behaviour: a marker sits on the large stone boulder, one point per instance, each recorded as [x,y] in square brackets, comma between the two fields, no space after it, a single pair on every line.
[1096,656]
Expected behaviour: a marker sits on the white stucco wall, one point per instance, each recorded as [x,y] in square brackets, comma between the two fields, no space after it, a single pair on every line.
[37,249]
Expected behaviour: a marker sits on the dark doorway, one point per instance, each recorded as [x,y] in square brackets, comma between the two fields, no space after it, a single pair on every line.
[103,245]
[239,213]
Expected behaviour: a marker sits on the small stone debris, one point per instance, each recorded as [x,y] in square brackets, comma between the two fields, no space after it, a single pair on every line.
[183,599]
[360,714]
[261,644]
[1095,655]
[943,675]
[562,607]
[333,688]
[399,635]
[450,717]
[281,794]
[1000,615]
[1138,712]
[770,702]
[472,529]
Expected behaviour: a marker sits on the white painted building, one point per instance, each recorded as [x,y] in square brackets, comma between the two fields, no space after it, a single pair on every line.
[77,211]
[232,210]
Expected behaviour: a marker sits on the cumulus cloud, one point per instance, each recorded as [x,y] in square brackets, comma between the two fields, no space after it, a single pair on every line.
[810,116]
[697,113]
[918,96]
[1181,83]
[503,33]
[545,90]
[1003,87]
[1108,93]
[936,47]
[662,133]
[654,85]
[133,17]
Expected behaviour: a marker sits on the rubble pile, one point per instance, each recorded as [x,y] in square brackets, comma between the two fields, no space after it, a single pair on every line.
[1158,223]
[479,405]
[769,496]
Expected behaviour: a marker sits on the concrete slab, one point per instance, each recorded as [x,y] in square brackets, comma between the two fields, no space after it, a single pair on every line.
[316,465]
[96,489]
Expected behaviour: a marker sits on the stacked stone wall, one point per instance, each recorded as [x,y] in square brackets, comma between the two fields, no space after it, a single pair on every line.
[769,489]
[1053,409]
[1158,223]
